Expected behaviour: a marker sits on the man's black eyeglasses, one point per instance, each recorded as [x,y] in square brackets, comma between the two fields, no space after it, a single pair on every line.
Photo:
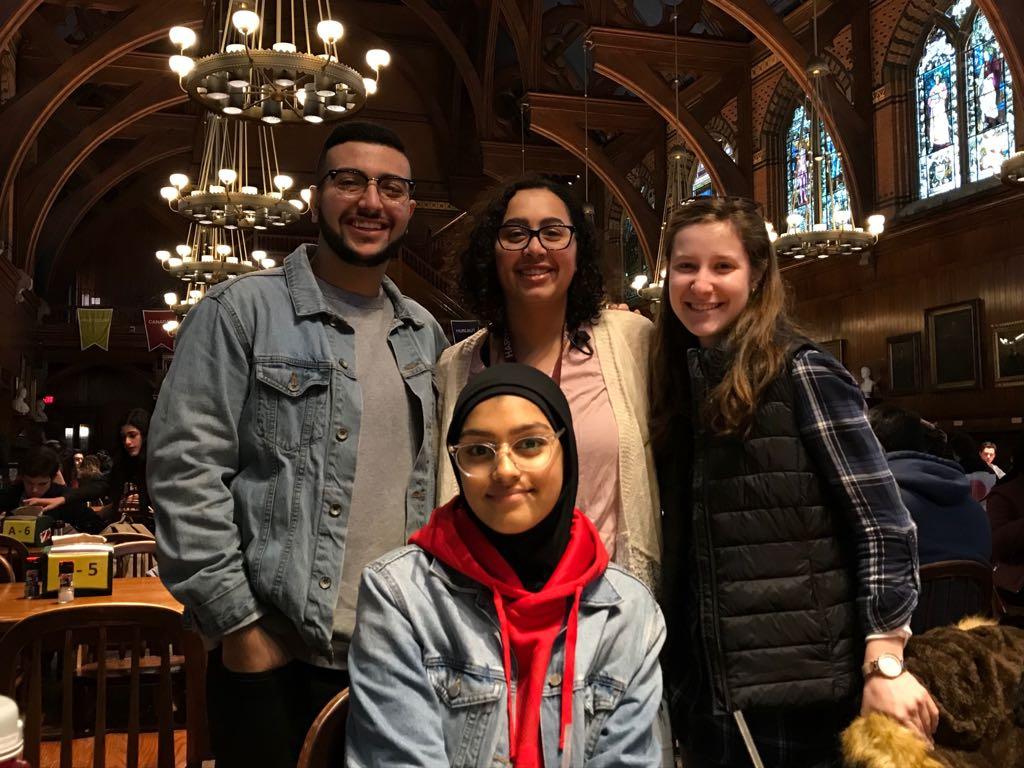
[352,182]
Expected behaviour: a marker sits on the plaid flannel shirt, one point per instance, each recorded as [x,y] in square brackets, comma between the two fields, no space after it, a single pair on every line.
[832,421]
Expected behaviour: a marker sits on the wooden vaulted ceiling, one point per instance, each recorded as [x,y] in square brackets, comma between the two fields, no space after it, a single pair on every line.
[97,109]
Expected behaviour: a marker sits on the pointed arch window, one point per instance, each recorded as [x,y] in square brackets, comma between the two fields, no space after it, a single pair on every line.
[964,102]
[702,180]
[815,184]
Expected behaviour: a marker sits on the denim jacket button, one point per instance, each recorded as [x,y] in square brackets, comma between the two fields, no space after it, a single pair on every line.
[335,510]
[343,363]
[555,680]
[325,582]
[341,435]
[455,687]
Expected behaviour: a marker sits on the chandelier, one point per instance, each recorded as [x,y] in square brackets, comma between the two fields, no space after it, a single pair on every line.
[226,194]
[268,67]
[1012,170]
[839,236]
[209,256]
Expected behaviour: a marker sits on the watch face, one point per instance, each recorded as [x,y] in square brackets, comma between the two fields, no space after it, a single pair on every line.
[889,665]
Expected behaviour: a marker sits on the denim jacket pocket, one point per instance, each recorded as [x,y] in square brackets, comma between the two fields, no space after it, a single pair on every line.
[600,697]
[471,697]
[292,397]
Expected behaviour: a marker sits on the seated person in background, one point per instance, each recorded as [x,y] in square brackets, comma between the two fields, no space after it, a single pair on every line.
[1005,505]
[37,473]
[980,474]
[951,525]
[459,654]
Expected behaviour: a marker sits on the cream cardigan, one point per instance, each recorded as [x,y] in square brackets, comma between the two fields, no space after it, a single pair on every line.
[622,340]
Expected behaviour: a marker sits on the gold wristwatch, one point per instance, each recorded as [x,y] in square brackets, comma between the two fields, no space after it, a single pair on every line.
[887,665]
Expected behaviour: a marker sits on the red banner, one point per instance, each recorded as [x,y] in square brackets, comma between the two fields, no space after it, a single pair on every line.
[156,336]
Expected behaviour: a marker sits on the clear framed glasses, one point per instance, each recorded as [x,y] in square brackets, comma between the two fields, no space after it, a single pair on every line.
[532,453]
[516,237]
[351,182]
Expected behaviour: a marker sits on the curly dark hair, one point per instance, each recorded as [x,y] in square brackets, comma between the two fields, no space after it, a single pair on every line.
[478,274]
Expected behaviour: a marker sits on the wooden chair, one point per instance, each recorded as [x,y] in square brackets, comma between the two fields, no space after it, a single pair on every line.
[124,538]
[15,553]
[325,743]
[61,633]
[134,558]
[6,571]
[952,590]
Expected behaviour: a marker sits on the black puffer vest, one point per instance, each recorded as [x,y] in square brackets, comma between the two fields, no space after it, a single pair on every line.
[772,571]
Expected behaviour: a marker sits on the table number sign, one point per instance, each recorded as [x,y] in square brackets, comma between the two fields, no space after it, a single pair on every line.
[94,572]
[32,530]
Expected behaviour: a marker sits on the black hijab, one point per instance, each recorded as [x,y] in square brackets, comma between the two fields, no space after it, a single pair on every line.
[535,553]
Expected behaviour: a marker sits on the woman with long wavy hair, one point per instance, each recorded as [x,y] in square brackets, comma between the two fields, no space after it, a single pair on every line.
[528,269]
[790,560]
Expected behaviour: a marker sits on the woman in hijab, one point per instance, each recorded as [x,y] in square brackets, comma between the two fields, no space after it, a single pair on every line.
[459,655]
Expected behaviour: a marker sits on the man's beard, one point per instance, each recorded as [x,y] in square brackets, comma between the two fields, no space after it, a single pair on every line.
[337,244]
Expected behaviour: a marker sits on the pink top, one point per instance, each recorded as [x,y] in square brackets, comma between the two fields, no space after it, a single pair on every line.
[597,438]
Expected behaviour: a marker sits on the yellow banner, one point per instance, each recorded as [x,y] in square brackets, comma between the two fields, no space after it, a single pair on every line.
[94,327]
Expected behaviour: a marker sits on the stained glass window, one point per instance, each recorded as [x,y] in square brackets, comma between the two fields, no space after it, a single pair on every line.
[965,102]
[800,169]
[702,181]
[816,188]
[989,102]
[937,123]
[835,198]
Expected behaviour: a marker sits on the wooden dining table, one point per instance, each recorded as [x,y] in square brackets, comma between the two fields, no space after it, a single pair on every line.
[144,590]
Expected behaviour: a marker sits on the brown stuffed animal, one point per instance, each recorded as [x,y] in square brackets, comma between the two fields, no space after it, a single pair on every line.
[975,674]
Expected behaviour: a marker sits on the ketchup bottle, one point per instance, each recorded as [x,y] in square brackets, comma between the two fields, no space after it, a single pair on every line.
[12,740]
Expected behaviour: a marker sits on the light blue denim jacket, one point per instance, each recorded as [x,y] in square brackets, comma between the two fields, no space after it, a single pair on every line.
[428,686]
[252,449]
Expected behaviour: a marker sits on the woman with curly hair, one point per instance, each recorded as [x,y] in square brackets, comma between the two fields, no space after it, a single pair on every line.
[529,270]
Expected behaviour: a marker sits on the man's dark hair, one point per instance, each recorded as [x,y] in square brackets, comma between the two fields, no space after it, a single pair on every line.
[898,429]
[987,444]
[478,282]
[370,133]
[39,462]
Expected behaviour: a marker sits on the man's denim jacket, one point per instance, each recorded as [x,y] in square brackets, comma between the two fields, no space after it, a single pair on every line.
[428,686]
[253,444]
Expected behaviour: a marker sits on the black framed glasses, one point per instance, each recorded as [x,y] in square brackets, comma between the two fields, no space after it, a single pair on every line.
[352,182]
[532,453]
[553,237]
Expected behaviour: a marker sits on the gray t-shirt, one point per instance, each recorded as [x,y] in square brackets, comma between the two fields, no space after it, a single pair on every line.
[376,518]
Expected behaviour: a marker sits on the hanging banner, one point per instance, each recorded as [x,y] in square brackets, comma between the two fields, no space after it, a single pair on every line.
[94,327]
[156,336]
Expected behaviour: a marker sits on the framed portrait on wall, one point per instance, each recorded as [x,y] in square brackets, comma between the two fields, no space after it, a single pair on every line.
[836,348]
[1008,353]
[904,363]
[954,345]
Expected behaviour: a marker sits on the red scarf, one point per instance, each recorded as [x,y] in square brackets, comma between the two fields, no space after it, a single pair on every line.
[529,621]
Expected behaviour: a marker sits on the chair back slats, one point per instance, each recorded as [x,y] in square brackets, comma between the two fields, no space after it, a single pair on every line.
[165,751]
[950,591]
[132,758]
[99,751]
[66,699]
[134,558]
[34,723]
[102,634]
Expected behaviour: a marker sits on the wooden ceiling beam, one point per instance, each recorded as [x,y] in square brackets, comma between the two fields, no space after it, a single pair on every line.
[636,72]
[14,13]
[851,134]
[504,160]
[41,187]
[560,118]
[26,115]
[700,54]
